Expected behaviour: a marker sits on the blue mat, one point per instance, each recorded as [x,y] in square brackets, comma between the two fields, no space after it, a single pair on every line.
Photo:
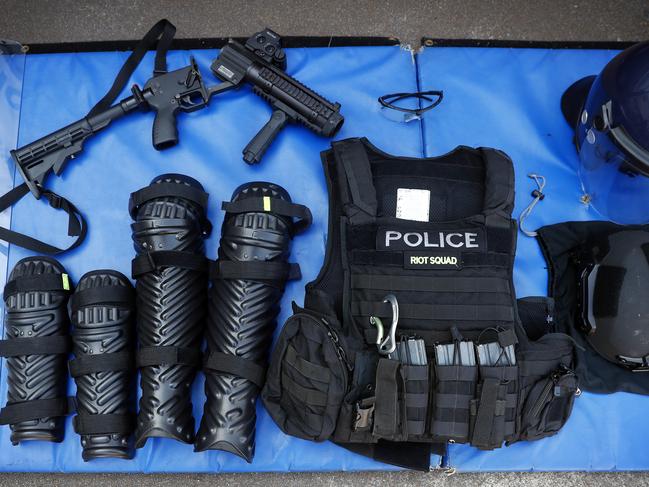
[504,98]
[61,88]
[509,99]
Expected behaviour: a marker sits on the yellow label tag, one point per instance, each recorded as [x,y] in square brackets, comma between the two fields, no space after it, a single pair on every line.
[66,281]
[266,203]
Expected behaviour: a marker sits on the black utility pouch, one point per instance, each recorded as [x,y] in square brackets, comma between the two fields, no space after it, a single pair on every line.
[493,411]
[400,406]
[455,387]
[308,376]
[549,404]
[390,420]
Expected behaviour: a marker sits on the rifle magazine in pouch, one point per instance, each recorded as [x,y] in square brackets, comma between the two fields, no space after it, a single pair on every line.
[308,377]
[493,411]
[455,387]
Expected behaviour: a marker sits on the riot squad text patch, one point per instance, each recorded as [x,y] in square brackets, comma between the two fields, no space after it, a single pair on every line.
[431,260]
[392,239]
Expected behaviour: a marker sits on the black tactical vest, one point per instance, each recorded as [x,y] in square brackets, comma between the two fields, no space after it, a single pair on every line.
[438,236]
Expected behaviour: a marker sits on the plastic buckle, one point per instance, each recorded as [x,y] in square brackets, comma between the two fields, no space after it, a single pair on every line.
[55,200]
[364,413]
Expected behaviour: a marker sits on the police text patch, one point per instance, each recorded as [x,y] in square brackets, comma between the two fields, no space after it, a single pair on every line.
[391,239]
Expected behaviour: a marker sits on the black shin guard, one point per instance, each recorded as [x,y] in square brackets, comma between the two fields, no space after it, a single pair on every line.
[248,282]
[102,311]
[171,280]
[36,348]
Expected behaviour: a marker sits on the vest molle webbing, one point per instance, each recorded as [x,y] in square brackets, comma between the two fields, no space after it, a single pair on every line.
[427,244]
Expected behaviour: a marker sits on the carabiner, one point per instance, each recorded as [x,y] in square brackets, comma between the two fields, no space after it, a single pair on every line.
[376,321]
[389,344]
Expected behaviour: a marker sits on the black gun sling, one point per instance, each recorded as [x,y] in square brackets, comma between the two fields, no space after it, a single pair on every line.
[160,36]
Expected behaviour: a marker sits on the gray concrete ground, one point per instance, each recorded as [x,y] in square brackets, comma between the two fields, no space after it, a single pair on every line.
[34,21]
[367,479]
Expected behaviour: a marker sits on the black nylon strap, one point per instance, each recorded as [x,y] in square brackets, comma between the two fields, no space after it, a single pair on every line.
[272,205]
[485,416]
[441,312]
[98,424]
[149,356]
[40,282]
[77,226]
[162,190]
[18,412]
[153,261]
[103,362]
[101,296]
[47,345]
[237,366]
[161,34]
[254,270]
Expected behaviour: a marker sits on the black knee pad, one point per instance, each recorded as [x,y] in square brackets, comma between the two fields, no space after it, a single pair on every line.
[36,347]
[102,312]
[247,284]
[171,281]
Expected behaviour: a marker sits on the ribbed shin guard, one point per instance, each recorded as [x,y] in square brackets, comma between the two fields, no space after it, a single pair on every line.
[33,315]
[242,315]
[171,282]
[103,315]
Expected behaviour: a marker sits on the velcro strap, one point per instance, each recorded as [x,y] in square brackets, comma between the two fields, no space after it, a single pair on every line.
[99,424]
[103,362]
[153,261]
[438,312]
[255,270]
[102,296]
[272,205]
[161,190]
[48,345]
[41,282]
[148,356]
[485,415]
[18,412]
[237,366]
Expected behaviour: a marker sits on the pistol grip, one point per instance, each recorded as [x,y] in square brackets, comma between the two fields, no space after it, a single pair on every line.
[165,129]
[257,146]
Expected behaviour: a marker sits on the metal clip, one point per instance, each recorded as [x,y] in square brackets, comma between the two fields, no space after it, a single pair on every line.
[387,345]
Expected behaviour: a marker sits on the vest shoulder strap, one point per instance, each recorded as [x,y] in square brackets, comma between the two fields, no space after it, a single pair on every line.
[352,161]
[499,183]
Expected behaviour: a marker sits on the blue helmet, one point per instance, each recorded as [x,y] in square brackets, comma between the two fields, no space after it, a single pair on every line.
[610,116]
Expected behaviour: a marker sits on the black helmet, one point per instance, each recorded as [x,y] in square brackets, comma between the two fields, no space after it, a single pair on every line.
[610,116]
[614,306]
